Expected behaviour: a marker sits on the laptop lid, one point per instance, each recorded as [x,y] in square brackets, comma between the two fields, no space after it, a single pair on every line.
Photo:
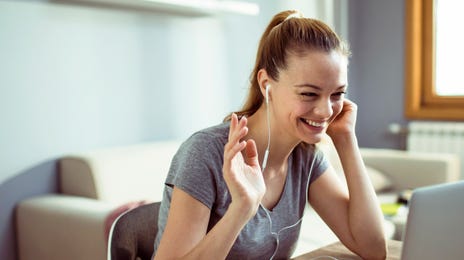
[435,224]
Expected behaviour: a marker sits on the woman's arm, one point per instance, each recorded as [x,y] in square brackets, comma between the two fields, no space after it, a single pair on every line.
[353,215]
[185,235]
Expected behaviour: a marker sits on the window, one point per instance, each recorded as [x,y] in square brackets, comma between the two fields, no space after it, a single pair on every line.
[430,93]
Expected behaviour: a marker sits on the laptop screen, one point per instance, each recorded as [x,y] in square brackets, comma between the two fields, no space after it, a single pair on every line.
[435,224]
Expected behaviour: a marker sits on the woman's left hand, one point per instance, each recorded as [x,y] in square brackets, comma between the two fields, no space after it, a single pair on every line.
[344,123]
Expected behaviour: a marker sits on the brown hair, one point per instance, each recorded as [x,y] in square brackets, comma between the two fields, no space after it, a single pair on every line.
[288,32]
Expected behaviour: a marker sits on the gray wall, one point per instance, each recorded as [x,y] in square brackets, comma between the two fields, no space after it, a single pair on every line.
[376,34]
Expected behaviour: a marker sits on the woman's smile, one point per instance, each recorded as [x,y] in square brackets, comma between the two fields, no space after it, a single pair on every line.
[313,127]
[314,123]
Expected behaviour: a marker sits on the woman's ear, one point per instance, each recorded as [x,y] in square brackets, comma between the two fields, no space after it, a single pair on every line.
[264,83]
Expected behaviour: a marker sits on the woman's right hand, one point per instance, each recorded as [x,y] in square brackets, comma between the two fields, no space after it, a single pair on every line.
[242,172]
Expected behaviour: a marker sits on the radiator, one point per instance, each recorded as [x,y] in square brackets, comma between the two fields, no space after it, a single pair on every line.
[441,137]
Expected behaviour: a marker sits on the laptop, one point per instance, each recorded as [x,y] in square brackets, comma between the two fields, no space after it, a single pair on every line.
[435,224]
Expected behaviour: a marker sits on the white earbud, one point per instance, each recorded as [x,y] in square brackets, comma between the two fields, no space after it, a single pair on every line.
[267,93]
[266,153]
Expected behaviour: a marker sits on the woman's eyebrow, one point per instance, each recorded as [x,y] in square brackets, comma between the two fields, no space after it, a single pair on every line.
[317,87]
[308,85]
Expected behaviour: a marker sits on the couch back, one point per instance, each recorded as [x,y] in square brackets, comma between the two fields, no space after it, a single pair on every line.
[137,172]
[118,174]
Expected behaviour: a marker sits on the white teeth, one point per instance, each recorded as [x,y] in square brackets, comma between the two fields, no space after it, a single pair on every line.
[316,124]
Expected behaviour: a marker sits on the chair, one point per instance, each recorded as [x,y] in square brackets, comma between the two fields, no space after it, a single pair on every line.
[133,233]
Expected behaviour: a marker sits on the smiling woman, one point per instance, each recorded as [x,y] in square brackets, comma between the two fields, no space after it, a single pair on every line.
[220,203]
[429,65]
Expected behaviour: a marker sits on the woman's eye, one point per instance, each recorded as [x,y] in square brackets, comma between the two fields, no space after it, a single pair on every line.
[338,95]
[309,94]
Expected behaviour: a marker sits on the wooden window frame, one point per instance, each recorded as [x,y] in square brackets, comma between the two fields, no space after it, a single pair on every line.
[421,100]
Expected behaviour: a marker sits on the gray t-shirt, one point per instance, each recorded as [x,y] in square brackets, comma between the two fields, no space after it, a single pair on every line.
[197,169]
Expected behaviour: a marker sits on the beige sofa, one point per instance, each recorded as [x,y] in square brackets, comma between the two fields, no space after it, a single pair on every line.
[71,225]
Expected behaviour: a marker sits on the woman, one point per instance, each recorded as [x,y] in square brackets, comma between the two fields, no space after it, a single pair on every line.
[238,190]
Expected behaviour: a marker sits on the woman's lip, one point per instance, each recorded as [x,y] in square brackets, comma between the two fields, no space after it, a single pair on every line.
[315,123]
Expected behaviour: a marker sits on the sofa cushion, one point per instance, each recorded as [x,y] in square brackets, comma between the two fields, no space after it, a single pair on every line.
[379,180]
[118,175]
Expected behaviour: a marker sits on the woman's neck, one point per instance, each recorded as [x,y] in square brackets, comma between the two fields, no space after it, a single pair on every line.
[279,148]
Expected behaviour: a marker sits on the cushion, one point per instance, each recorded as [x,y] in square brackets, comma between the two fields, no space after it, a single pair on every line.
[378,179]
[118,174]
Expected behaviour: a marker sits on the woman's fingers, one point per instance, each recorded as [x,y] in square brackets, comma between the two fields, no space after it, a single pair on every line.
[233,124]
[237,131]
[236,124]
[251,153]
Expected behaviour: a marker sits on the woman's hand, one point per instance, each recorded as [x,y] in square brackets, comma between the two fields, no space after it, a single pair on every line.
[344,123]
[242,172]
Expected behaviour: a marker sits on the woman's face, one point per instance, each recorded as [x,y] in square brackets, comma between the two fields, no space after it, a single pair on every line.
[309,94]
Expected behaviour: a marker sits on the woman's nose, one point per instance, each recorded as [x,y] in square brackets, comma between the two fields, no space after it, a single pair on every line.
[323,109]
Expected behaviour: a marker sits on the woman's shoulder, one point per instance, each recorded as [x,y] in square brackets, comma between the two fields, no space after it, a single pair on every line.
[220,131]
[305,149]
[214,137]
[215,133]
[306,153]
[309,159]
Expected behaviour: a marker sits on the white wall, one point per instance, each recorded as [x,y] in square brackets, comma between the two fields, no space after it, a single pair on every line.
[75,77]
[78,77]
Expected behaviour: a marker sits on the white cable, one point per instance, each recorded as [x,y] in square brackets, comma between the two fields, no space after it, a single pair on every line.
[296,223]
[270,231]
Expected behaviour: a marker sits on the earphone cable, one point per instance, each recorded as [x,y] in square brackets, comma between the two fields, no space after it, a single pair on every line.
[276,234]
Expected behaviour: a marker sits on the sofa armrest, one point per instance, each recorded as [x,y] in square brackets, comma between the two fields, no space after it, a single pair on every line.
[61,227]
[409,170]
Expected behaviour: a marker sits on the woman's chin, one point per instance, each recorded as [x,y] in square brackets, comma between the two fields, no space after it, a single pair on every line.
[313,139]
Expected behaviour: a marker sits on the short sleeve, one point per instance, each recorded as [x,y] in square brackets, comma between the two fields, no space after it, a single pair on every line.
[318,165]
[196,168]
